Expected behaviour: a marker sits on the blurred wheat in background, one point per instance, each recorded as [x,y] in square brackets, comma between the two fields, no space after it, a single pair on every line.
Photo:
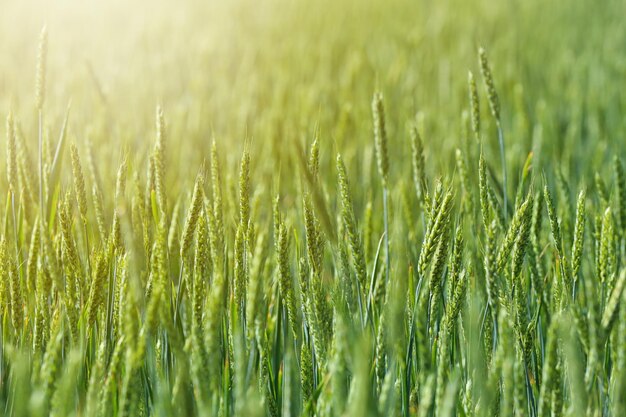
[330,208]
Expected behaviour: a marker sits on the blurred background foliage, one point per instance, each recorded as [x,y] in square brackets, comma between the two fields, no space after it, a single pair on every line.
[272,71]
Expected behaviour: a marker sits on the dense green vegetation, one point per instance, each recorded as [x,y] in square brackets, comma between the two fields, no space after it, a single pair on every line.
[337,209]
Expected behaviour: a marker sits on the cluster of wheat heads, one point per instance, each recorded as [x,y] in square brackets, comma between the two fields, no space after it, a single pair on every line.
[493,298]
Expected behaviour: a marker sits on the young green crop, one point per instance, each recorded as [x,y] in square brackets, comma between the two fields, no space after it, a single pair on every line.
[200,261]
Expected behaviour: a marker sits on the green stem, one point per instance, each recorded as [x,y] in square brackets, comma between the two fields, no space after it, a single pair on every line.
[386,215]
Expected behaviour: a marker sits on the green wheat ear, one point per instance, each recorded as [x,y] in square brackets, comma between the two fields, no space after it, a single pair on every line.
[474,105]
[244,190]
[159,163]
[40,85]
[419,165]
[380,137]
[11,154]
[350,225]
[579,234]
[169,298]
[79,183]
[494,105]
[492,94]
[285,280]
[193,214]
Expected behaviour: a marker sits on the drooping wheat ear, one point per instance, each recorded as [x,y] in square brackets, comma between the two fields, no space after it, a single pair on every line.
[189,228]
[159,166]
[620,181]
[11,154]
[579,234]
[474,105]
[40,82]
[419,166]
[380,137]
[351,226]
[244,190]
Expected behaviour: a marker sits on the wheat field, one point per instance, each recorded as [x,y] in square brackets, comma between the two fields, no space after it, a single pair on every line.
[331,208]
